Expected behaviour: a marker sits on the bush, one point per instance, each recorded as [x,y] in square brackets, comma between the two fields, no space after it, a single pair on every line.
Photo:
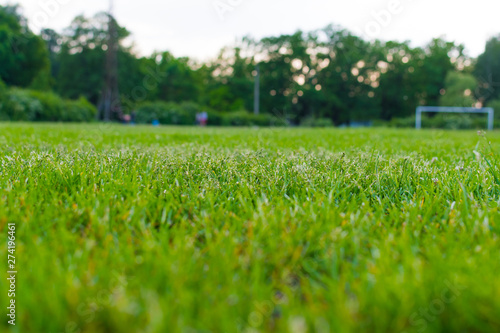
[444,121]
[215,118]
[146,113]
[3,88]
[80,110]
[402,122]
[190,109]
[3,93]
[27,105]
[52,106]
[316,122]
[454,122]
[496,106]
[185,114]
[165,113]
[244,118]
[20,105]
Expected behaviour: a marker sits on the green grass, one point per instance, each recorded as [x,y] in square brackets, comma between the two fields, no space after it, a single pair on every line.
[141,229]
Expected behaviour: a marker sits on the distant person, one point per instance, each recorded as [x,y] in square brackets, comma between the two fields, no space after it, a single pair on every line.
[203,118]
[198,122]
[126,119]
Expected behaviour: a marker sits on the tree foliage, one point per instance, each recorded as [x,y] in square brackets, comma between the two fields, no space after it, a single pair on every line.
[330,75]
[487,71]
[459,90]
[23,55]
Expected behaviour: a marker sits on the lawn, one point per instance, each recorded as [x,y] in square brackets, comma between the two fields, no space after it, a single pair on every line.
[142,229]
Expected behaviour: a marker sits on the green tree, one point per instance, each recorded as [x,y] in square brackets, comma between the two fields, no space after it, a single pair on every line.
[414,76]
[459,90]
[353,77]
[440,58]
[53,41]
[487,71]
[228,80]
[81,60]
[282,61]
[23,56]
[178,82]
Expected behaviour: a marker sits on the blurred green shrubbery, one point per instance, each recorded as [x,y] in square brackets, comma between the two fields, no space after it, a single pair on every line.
[19,105]
[185,114]
[27,105]
[244,118]
[80,110]
[444,121]
[317,122]
[167,113]
[215,118]
[52,106]
[3,88]
[495,104]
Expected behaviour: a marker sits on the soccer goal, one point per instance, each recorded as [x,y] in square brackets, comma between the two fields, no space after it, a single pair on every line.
[422,109]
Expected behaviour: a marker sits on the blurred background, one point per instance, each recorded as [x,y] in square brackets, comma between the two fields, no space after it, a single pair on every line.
[248,63]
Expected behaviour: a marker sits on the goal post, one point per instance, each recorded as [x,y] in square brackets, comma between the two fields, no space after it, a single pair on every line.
[422,109]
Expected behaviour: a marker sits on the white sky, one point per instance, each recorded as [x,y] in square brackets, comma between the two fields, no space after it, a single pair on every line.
[197,29]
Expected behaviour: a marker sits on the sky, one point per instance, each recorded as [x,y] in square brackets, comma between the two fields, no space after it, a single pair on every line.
[200,28]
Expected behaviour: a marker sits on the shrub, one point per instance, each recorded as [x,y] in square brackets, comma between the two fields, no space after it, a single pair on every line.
[146,113]
[52,106]
[455,121]
[20,105]
[496,106]
[80,110]
[3,94]
[168,113]
[445,121]
[190,109]
[215,118]
[3,88]
[317,122]
[26,105]
[165,113]
[408,122]
[452,122]
[244,118]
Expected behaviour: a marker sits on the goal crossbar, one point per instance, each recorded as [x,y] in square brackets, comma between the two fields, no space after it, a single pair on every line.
[422,109]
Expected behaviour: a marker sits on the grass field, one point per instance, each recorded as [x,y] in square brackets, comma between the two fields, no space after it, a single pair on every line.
[141,229]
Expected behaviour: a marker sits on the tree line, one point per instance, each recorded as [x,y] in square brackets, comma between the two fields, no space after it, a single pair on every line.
[327,76]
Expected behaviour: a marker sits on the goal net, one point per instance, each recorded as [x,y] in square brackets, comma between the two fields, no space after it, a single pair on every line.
[422,109]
